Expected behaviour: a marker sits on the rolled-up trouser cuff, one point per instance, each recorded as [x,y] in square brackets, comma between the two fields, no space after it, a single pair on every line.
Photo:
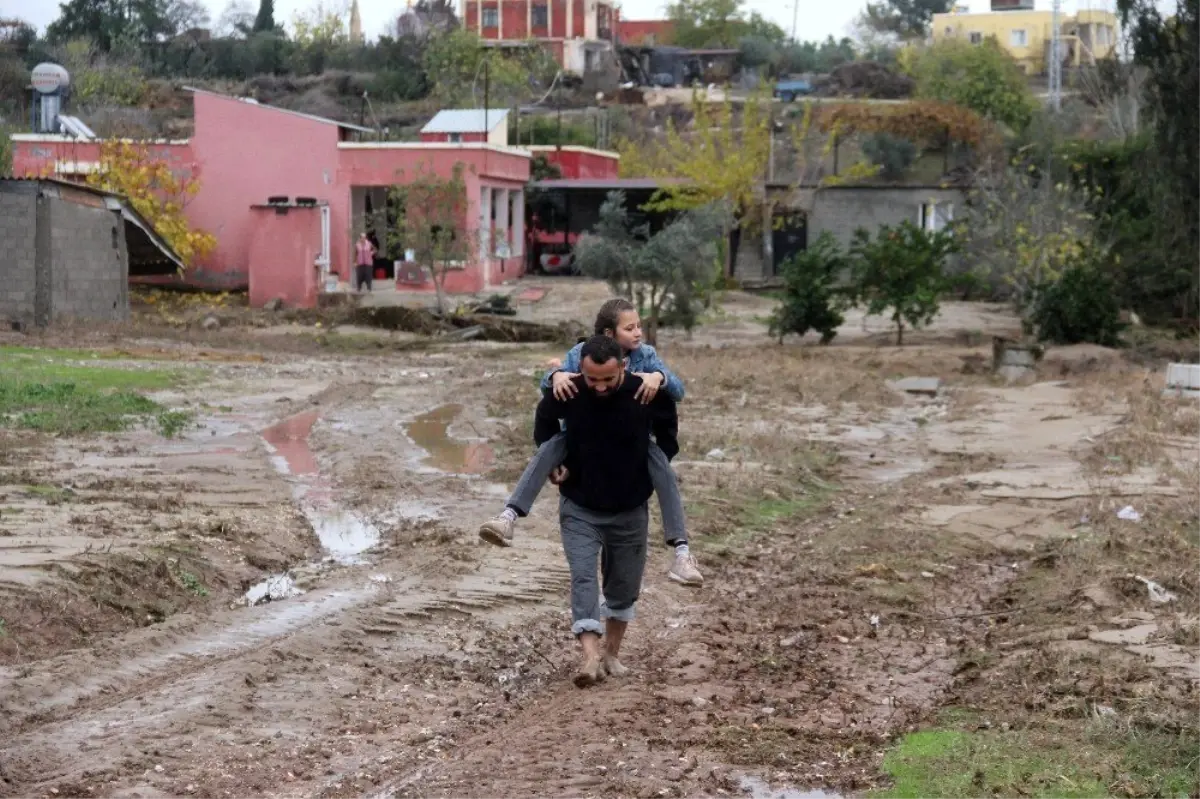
[587,626]
[622,614]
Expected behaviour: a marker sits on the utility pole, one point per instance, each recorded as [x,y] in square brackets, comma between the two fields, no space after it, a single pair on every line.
[795,17]
[486,88]
[1056,56]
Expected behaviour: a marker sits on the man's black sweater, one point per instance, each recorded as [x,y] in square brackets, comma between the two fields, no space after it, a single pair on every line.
[608,440]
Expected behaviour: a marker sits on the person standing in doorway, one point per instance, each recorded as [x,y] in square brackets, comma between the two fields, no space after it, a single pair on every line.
[364,261]
[604,483]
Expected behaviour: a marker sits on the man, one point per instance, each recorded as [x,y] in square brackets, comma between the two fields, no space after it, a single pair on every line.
[605,482]
[364,260]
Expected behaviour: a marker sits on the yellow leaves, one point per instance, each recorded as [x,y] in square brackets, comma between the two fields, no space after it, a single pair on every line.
[719,159]
[156,192]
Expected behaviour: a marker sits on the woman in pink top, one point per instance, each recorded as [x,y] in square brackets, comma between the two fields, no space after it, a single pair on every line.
[364,259]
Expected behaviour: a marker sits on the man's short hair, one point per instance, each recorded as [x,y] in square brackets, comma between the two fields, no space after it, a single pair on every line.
[601,349]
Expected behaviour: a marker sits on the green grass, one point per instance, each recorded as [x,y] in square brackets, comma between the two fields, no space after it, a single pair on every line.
[1089,759]
[52,392]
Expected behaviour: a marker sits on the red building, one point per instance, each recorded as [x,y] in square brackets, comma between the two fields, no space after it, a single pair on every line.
[647,32]
[577,32]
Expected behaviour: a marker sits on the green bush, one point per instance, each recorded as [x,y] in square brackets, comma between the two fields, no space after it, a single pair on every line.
[1081,307]
[810,297]
[892,154]
[903,269]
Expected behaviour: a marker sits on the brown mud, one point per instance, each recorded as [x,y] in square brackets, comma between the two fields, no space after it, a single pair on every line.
[353,637]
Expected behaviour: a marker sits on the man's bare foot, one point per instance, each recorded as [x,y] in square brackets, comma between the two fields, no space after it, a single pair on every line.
[590,672]
[614,667]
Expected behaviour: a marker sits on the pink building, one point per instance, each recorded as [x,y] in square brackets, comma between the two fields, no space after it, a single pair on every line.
[328,184]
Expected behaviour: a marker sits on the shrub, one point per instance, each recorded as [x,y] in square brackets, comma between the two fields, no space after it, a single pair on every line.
[901,269]
[892,154]
[810,299]
[1080,307]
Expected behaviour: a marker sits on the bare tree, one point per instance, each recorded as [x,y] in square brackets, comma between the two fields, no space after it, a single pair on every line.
[1117,88]
[236,20]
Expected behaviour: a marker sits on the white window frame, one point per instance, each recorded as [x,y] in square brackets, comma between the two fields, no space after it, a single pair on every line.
[934,216]
[492,14]
[1013,35]
[975,37]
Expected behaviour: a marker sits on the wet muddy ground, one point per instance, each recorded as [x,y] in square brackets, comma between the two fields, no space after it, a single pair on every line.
[290,599]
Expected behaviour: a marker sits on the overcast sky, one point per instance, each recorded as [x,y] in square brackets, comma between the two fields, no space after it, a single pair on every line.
[816,20]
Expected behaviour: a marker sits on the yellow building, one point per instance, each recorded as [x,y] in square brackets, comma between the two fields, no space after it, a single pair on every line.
[1087,37]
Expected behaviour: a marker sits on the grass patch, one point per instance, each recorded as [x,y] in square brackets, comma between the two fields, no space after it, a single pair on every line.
[50,392]
[1097,760]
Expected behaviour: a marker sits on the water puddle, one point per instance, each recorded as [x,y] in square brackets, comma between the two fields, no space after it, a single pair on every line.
[758,789]
[272,589]
[344,534]
[431,432]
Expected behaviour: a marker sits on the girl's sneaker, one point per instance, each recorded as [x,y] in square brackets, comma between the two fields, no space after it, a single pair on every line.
[685,571]
[498,530]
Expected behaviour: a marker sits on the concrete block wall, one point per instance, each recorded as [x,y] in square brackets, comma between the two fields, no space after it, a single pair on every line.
[89,264]
[841,211]
[18,250]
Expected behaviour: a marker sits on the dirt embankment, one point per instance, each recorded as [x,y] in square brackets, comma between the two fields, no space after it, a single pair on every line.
[878,562]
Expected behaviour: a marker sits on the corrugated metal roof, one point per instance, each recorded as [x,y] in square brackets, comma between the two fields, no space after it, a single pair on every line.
[465,120]
[118,203]
[249,101]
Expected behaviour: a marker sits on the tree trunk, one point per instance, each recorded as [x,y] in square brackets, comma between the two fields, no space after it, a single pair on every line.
[439,280]
[899,329]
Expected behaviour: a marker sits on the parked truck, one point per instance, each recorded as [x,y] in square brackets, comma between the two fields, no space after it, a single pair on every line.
[789,90]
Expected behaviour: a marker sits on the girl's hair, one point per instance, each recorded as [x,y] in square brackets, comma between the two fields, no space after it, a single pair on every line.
[610,314]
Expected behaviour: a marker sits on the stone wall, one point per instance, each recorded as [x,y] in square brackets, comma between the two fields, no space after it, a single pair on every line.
[18,223]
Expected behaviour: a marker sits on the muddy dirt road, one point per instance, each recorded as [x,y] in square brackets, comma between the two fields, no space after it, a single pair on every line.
[289,598]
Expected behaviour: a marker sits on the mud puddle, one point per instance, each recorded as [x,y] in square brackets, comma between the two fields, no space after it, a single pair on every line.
[343,534]
[759,789]
[431,432]
[272,589]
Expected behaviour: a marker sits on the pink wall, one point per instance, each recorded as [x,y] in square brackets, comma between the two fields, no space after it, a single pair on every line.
[35,158]
[282,249]
[247,153]
[580,162]
[387,164]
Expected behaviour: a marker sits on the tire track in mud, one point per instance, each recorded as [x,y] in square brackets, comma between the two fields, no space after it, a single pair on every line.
[79,719]
[126,705]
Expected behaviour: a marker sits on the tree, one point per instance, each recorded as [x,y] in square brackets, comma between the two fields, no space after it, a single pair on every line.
[892,154]
[184,15]
[432,223]
[454,69]
[102,20]
[319,26]
[907,19]
[1023,229]
[236,20]
[722,159]
[657,271]
[1169,49]
[707,23]
[901,269]
[819,57]
[810,298]
[157,192]
[264,21]
[981,77]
